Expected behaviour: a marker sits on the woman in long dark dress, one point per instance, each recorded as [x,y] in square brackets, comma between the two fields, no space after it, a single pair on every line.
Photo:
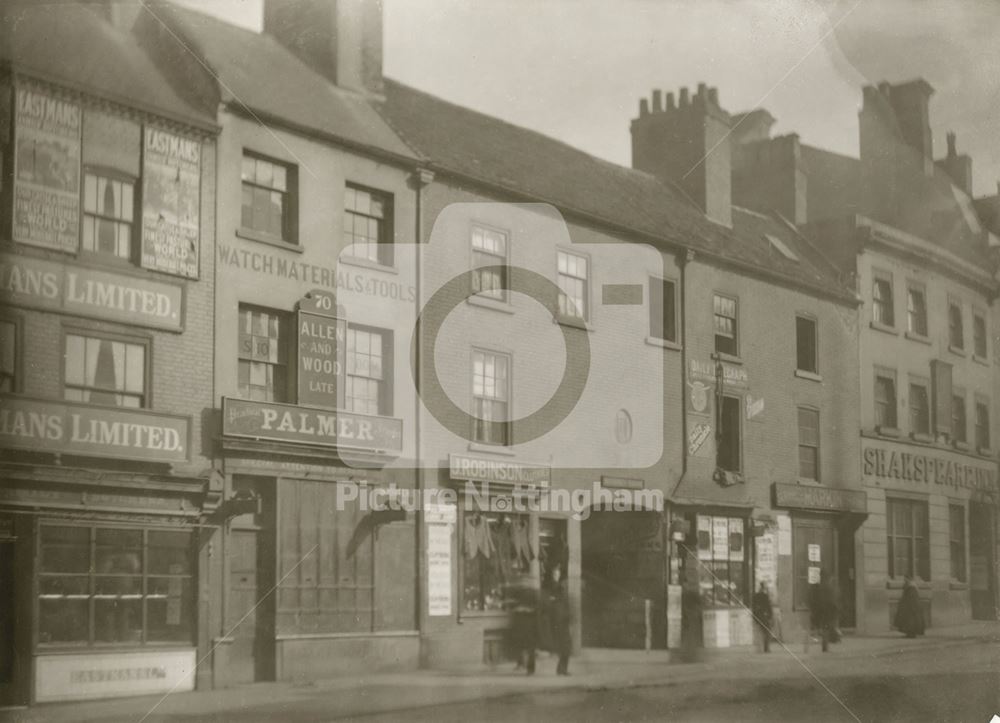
[557,612]
[910,615]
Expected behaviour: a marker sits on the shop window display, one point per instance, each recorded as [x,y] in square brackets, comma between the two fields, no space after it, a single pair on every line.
[722,577]
[497,550]
[114,585]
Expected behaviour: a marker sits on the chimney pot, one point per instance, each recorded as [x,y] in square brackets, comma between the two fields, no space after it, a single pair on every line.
[657,102]
[951,145]
[701,89]
[670,101]
[685,98]
[713,96]
[643,107]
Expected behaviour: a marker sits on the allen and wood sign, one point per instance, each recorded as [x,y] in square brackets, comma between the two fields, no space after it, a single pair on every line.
[302,425]
[322,342]
[84,429]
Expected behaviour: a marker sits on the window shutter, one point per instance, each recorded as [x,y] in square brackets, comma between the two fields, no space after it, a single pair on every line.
[941,381]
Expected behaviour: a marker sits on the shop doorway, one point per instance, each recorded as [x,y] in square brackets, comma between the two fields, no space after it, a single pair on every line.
[846,574]
[252,649]
[623,564]
[981,579]
[9,688]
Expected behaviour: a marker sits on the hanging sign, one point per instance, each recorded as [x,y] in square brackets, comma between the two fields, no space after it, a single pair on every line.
[46,170]
[171,202]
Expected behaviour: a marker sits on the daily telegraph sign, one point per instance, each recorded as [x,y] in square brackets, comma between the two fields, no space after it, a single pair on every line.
[94,431]
[52,286]
[305,425]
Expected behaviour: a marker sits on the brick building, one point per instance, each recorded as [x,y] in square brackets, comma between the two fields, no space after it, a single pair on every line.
[106,280]
[770,490]
[923,258]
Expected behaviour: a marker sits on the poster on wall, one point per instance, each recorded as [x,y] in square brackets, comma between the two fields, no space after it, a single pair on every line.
[735,539]
[766,562]
[784,535]
[704,537]
[720,538]
[813,552]
[47,170]
[813,575]
[171,173]
[439,569]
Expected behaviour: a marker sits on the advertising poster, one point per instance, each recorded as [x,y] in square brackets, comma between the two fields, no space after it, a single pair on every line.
[47,170]
[720,538]
[171,170]
[766,562]
[439,569]
[735,539]
[704,537]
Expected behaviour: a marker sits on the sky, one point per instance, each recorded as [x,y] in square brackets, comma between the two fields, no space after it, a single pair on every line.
[576,69]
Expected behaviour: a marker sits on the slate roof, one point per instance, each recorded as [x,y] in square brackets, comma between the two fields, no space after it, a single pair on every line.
[255,71]
[487,150]
[93,57]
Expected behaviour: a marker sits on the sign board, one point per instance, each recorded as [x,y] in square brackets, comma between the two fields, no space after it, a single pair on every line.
[440,513]
[47,169]
[704,532]
[895,467]
[53,286]
[813,553]
[51,497]
[322,344]
[733,375]
[91,675]
[813,574]
[754,407]
[784,535]
[697,436]
[622,483]
[96,431]
[304,425]
[464,467]
[439,568]
[766,568]
[674,616]
[812,497]
[720,538]
[171,202]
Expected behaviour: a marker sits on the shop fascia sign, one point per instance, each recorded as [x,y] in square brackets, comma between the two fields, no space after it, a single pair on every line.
[321,350]
[808,497]
[892,466]
[494,471]
[53,286]
[90,430]
[297,424]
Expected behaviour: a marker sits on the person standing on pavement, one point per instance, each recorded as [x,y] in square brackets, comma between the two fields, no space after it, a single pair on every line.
[523,598]
[556,603]
[910,615]
[763,615]
[824,610]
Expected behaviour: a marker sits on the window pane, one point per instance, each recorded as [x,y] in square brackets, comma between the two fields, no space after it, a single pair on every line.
[169,608]
[169,552]
[118,551]
[65,549]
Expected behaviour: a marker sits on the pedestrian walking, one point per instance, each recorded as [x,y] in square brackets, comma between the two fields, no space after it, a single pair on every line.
[763,615]
[556,605]
[523,606]
[824,610]
[910,615]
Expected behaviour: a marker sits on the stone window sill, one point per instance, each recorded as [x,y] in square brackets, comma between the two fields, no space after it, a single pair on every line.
[252,235]
[980,360]
[921,437]
[491,449]
[914,336]
[367,263]
[573,322]
[728,358]
[485,302]
[956,585]
[887,431]
[811,376]
[957,350]
[663,343]
[879,326]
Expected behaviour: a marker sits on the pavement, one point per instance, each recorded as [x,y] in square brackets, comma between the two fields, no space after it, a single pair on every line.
[591,670]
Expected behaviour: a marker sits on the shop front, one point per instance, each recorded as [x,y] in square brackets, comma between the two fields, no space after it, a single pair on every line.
[491,535]
[335,542]
[933,520]
[100,549]
[817,530]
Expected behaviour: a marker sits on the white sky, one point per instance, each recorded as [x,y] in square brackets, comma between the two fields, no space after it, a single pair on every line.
[575,69]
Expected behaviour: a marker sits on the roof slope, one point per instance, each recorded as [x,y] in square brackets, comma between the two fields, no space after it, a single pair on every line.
[93,56]
[256,72]
[491,151]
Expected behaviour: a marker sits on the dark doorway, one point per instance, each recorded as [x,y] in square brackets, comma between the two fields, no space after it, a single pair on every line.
[623,565]
[9,683]
[981,580]
[846,576]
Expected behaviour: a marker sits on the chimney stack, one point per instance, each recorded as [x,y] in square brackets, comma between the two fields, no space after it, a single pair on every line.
[958,167]
[340,39]
[688,145]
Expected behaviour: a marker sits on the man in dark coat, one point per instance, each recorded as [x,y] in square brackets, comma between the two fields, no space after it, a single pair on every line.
[523,605]
[910,615]
[763,615]
[824,610]
[556,600]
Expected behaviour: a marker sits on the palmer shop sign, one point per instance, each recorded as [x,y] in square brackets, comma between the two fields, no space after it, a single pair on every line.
[304,425]
[884,466]
[53,286]
[74,428]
